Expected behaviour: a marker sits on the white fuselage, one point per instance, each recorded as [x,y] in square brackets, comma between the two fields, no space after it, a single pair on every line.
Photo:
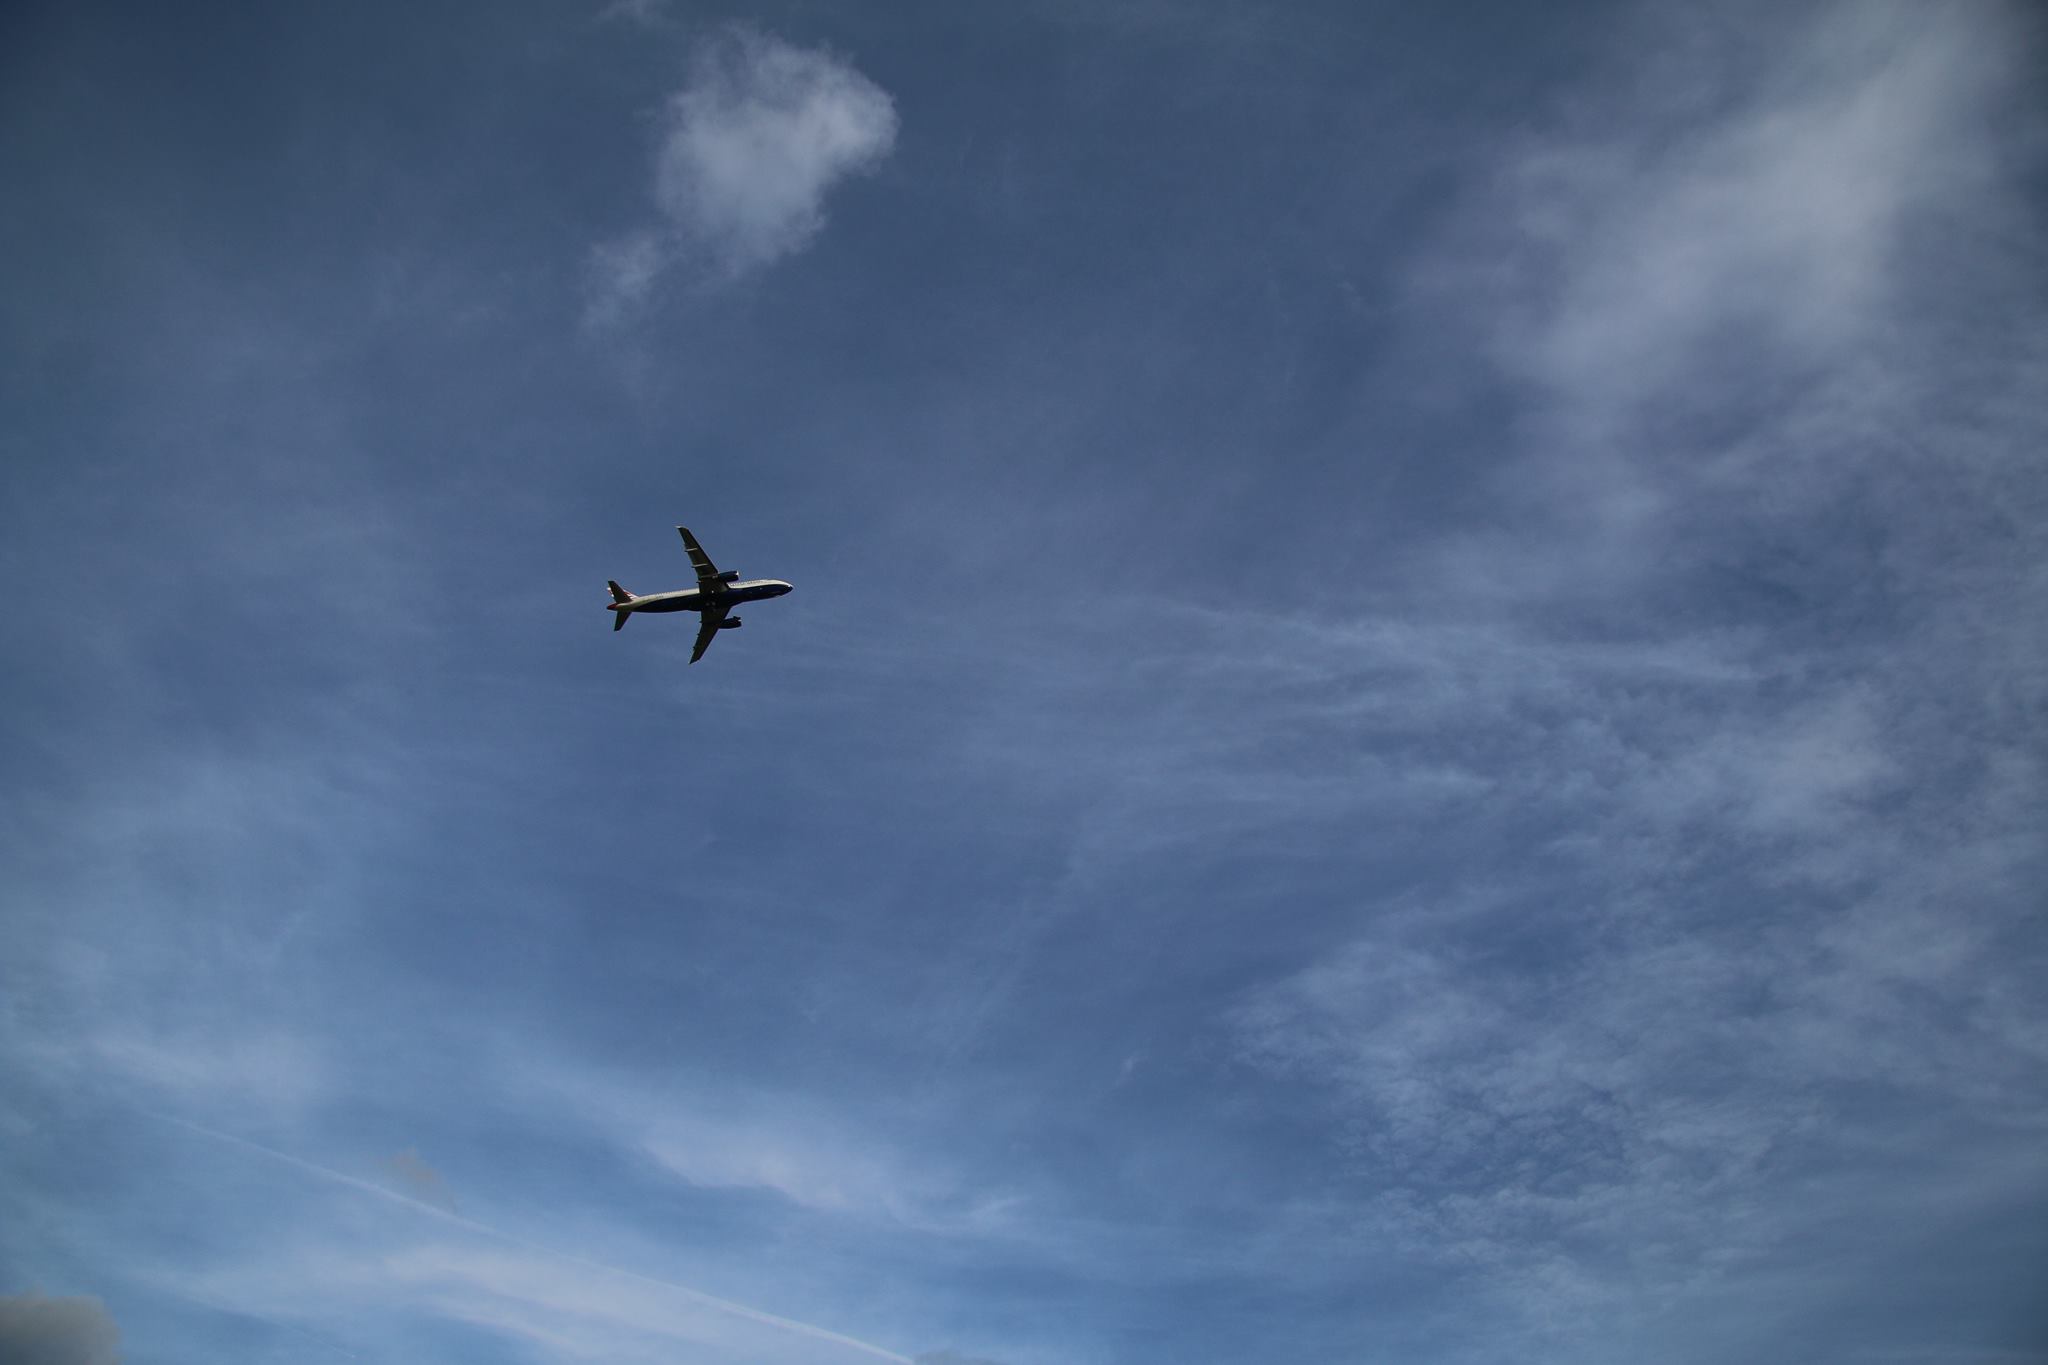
[697,599]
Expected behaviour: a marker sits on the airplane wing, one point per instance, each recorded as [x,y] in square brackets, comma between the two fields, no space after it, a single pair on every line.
[707,631]
[707,572]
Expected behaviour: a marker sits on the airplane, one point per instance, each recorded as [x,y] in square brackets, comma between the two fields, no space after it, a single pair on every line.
[715,594]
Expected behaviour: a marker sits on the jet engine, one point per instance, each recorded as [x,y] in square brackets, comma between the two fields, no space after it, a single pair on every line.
[730,623]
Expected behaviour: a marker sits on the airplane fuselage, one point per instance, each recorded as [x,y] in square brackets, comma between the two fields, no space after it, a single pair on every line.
[698,599]
[713,599]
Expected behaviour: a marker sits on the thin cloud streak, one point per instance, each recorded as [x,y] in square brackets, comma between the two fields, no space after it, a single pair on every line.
[449,1216]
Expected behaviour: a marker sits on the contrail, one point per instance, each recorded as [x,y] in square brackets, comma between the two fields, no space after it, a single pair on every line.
[738,1310]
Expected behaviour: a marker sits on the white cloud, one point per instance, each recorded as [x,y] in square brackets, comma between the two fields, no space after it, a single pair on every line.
[750,146]
[1741,218]
[753,142]
[1780,225]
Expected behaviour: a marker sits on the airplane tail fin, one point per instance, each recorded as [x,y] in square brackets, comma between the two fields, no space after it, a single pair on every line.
[619,594]
[619,620]
[620,597]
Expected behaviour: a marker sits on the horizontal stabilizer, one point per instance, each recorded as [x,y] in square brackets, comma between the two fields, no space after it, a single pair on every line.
[619,619]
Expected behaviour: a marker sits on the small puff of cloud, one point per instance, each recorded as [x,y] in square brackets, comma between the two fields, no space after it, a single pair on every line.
[37,1330]
[750,145]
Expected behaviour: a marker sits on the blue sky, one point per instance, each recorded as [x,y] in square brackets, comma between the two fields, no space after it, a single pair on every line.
[1412,725]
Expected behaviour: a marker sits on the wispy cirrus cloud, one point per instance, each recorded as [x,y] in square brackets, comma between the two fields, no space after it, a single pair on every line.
[749,147]
[555,1305]
[837,1161]
[1785,218]
[559,1304]
[1741,226]
[1753,964]
[419,1257]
